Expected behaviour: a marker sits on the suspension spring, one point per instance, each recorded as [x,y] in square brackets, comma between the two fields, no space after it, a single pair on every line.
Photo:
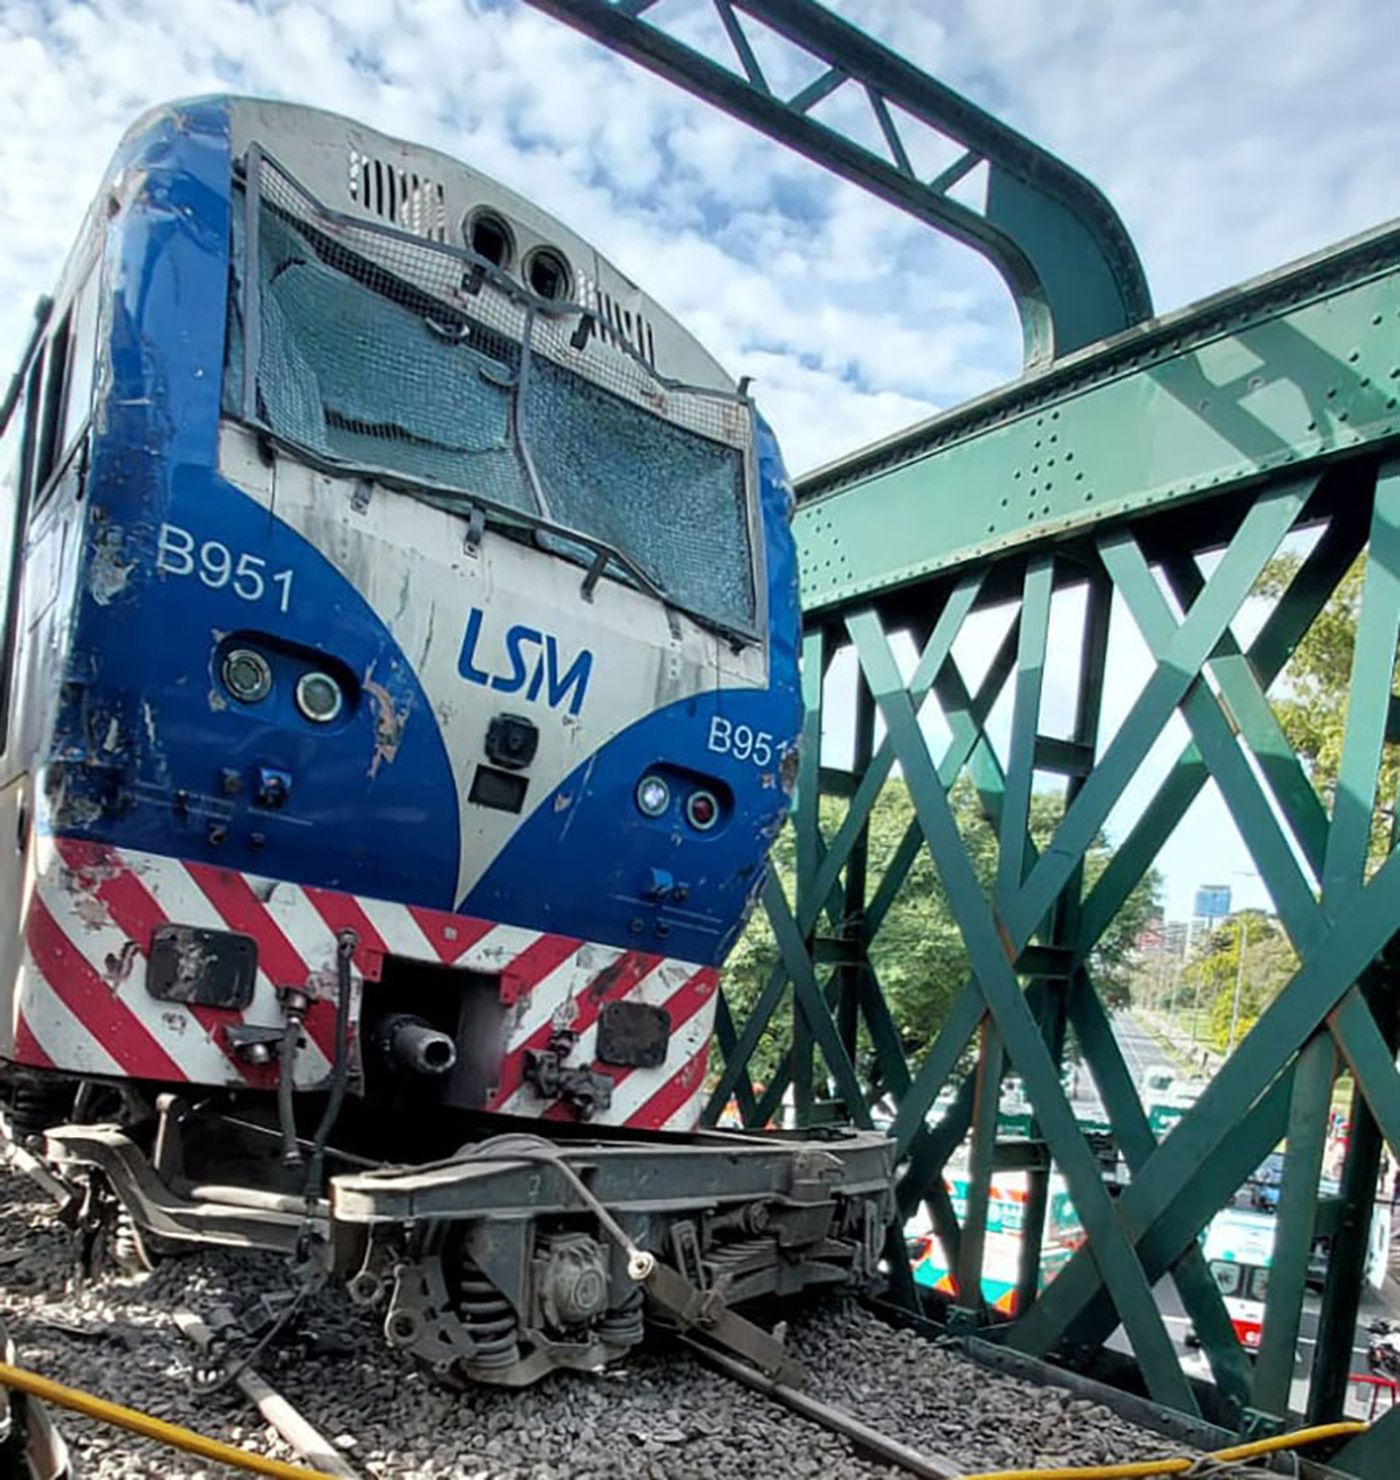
[128,1254]
[489,1318]
[37,1105]
[623,1325]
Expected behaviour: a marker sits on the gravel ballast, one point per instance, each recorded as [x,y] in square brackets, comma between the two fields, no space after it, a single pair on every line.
[659,1416]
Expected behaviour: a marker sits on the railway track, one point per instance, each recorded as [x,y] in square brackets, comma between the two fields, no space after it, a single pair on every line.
[664,1415]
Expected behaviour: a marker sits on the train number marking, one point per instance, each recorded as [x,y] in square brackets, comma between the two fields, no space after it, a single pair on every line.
[179,553]
[744,743]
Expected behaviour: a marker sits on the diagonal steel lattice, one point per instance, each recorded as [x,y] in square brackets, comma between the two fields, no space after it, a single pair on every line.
[1030,940]
[1281,419]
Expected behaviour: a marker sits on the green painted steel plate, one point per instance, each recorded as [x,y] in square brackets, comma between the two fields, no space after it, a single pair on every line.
[1293,368]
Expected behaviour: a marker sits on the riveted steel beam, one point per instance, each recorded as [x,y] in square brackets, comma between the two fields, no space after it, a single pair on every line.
[1199,1293]
[810,1002]
[1315,581]
[1372,675]
[1351,1244]
[1035,910]
[1291,371]
[807,828]
[1296,1215]
[1004,999]
[1372,1061]
[1362,929]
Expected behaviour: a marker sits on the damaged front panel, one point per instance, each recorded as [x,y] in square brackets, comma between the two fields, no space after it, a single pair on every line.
[392,589]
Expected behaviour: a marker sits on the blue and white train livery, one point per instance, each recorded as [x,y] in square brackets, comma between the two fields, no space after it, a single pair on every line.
[400,684]
[381,552]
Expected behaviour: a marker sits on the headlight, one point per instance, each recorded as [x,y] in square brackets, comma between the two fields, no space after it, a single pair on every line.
[653,796]
[319,697]
[246,675]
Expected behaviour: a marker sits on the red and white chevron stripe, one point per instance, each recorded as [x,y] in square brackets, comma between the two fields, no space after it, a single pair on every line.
[80,1001]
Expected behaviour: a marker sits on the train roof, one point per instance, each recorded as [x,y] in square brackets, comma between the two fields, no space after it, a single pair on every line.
[356,170]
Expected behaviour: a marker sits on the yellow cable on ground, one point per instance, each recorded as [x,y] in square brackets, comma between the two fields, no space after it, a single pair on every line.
[170,1434]
[1181,1463]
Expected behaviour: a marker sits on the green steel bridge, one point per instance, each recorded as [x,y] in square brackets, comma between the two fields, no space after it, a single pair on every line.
[1131,446]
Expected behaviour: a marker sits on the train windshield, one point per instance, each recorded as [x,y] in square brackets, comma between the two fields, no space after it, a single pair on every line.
[370,351]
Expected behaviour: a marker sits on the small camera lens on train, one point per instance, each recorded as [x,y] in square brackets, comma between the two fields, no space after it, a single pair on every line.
[653,796]
[702,810]
[511,741]
[319,697]
[247,676]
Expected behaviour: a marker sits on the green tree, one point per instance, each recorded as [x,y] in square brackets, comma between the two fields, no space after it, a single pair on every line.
[1310,697]
[918,953]
[1214,970]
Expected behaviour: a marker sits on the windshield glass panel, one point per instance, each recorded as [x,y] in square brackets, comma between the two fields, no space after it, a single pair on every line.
[380,354]
[671,500]
[355,377]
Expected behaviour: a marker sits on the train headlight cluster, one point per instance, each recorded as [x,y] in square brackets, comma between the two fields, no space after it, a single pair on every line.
[653,796]
[656,792]
[319,697]
[285,679]
[246,675]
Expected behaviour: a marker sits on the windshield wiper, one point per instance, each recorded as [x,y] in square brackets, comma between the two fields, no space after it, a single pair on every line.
[603,556]
[460,501]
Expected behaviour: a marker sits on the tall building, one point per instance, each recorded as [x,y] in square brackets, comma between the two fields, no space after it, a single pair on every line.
[1212,902]
[1176,935]
[1212,905]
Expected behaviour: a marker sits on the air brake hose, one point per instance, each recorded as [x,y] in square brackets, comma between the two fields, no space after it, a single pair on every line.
[286,1088]
[149,1427]
[1182,1464]
[345,944]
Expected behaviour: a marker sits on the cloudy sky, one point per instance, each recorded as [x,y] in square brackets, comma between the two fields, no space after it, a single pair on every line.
[1232,137]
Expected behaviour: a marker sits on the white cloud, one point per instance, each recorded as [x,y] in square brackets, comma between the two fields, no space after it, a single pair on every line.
[1231,138]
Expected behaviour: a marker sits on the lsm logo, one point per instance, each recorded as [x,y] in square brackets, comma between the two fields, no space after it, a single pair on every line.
[531,661]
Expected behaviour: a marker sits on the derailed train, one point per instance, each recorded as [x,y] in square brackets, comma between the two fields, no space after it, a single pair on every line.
[400,689]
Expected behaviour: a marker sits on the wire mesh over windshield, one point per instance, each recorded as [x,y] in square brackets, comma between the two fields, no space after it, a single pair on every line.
[377,352]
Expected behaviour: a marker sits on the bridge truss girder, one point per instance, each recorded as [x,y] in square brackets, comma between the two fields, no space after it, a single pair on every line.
[1308,441]
[1058,244]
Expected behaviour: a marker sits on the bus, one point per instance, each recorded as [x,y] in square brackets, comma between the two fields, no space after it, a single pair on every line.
[1001,1260]
[1239,1249]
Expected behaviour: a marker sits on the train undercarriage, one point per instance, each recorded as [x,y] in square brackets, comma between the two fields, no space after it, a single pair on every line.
[503,1254]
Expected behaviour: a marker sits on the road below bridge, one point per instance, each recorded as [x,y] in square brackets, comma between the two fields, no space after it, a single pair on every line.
[1143,1051]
